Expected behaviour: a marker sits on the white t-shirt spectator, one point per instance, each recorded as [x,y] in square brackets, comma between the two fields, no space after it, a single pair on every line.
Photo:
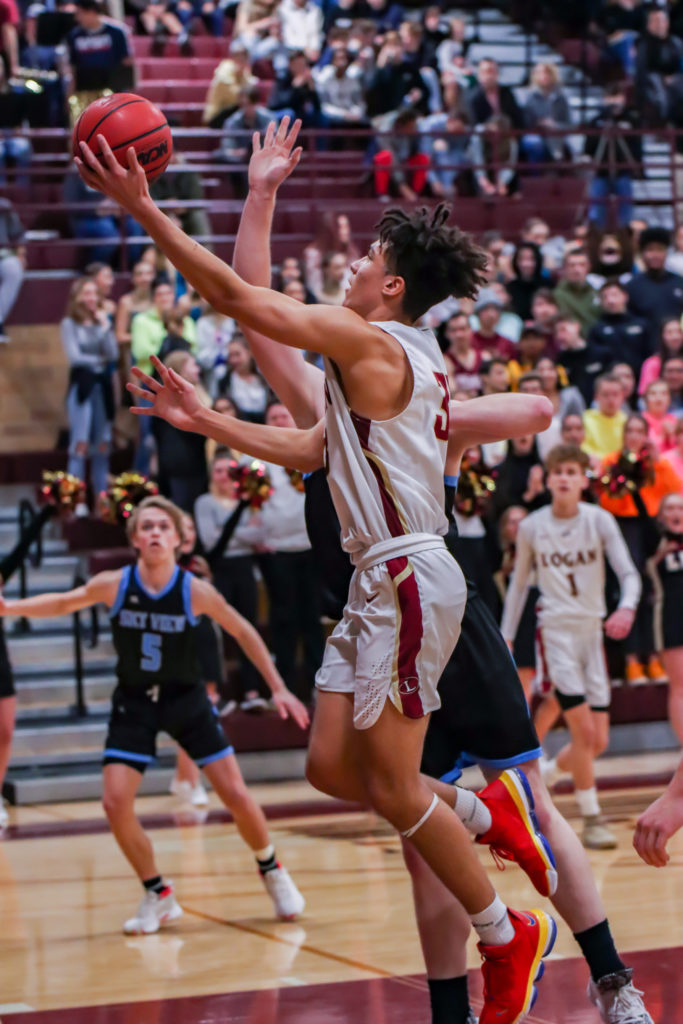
[302,26]
[283,514]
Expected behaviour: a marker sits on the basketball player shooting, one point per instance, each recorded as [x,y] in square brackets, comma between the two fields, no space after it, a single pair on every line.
[386,431]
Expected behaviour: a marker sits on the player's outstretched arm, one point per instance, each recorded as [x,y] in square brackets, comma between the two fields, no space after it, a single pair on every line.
[330,330]
[175,400]
[207,601]
[297,383]
[101,588]
[660,822]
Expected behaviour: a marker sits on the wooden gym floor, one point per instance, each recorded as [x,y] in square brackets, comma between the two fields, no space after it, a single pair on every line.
[354,958]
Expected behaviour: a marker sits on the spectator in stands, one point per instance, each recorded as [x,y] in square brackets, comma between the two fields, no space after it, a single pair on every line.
[230,78]
[174,339]
[537,230]
[90,347]
[244,384]
[672,373]
[660,421]
[302,27]
[10,23]
[253,18]
[105,222]
[490,99]
[395,84]
[622,21]
[519,477]
[341,95]
[546,107]
[544,314]
[625,337]
[215,331]
[414,54]
[211,12]
[448,151]
[605,424]
[530,347]
[616,150]
[573,294]
[572,430]
[641,662]
[627,378]
[567,401]
[463,359]
[268,49]
[584,363]
[486,338]
[235,145]
[182,184]
[659,59]
[674,261]
[453,49]
[99,55]
[400,165]
[289,573]
[294,92]
[182,470]
[159,20]
[148,329]
[494,377]
[493,154]
[231,533]
[16,151]
[333,235]
[610,256]
[499,254]
[12,261]
[138,300]
[435,31]
[527,264]
[675,455]
[656,293]
[103,276]
[334,279]
[670,344]
[509,324]
[386,14]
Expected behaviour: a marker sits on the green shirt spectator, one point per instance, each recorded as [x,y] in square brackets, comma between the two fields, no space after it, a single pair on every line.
[574,296]
[148,329]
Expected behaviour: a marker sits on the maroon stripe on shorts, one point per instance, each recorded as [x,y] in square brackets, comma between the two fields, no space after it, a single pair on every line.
[409,638]
[391,516]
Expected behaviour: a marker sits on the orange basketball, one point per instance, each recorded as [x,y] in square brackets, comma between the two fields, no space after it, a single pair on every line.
[125,120]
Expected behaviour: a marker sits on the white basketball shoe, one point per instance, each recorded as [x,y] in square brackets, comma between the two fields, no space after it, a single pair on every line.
[617,999]
[287,899]
[154,911]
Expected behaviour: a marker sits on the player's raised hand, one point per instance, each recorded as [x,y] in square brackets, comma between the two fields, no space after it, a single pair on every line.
[126,186]
[173,399]
[289,706]
[274,160]
[655,827]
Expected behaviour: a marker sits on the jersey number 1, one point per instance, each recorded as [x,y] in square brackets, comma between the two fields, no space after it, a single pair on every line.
[443,415]
[151,652]
[573,589]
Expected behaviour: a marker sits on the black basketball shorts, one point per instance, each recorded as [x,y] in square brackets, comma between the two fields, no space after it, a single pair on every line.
[6,678]
[484,717]
[187,715]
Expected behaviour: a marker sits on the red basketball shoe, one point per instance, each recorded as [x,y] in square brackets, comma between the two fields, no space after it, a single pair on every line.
[514,833]
[510,971]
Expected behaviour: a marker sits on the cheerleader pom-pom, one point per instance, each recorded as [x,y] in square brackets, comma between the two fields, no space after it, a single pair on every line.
[475,488]
[296,479]
[116,504]
[253,482]
[631,472]
[61,490]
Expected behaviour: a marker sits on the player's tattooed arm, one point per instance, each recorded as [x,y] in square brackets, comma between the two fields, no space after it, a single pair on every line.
[175,400]
[100,589]
[207,601]
[298,384]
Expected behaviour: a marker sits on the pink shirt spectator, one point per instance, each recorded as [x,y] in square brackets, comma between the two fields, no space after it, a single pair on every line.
[650,371]
[661,430]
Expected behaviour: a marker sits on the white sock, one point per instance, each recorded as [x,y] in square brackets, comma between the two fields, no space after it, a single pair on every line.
[493,925]
[587,799]
[266,853]
[473,813]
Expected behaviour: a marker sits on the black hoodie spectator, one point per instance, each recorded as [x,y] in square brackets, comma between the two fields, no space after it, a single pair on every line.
[625,336]
[512,480]
[656,294]
[527,280]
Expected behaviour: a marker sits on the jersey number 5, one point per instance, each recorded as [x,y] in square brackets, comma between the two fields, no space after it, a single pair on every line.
[151,652]
[443,415]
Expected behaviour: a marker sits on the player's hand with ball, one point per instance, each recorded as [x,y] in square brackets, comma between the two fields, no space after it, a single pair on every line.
[126,186]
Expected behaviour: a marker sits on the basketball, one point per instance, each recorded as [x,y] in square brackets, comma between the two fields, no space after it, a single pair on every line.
[125,120]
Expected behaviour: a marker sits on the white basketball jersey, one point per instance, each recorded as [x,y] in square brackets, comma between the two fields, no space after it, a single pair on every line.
[569,558]
[386,477]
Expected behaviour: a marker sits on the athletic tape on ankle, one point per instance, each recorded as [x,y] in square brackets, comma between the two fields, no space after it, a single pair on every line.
[411,831]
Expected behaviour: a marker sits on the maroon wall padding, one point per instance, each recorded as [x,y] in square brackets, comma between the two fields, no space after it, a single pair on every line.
[263,732]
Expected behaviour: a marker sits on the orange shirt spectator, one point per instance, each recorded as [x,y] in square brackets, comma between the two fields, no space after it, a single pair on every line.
[666,479]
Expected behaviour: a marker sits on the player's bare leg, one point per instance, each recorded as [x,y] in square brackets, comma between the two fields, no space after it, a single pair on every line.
[121,784]
[526,678]
[8,714]
[546,715]
[226,778]
[333,764]
[589,731]
[673,664]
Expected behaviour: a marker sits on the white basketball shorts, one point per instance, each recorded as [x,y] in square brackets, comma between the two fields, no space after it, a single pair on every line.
[573,660]
[399,628]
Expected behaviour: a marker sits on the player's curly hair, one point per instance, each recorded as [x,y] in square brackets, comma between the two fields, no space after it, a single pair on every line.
[434,260]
